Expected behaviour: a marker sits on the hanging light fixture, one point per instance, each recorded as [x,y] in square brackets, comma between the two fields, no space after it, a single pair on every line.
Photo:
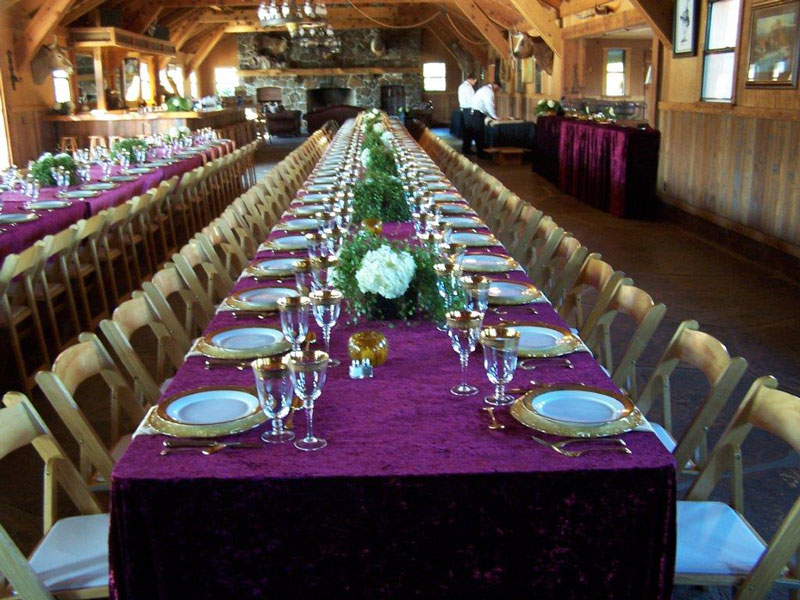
[272,14]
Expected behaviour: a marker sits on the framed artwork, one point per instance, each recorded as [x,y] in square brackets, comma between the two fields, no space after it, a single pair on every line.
[774,45]
[684,34]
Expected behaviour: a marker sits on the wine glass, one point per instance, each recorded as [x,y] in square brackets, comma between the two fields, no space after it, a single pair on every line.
[477,292]
[452,252]
[318,245]
[336,236]
[500,345]
[326,306]
[294,318]
[302,276]
[323,270]
[275,395]
[464,327]
[448,282]
[308,370]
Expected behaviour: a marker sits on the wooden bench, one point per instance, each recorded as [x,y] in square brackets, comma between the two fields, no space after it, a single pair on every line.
[506,156]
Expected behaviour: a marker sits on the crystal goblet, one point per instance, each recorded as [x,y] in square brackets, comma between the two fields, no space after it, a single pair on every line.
[326,306]
[294,311]
[477,292]
[308,370]
[323,270]
[464,327]
[275,394]
[500,345]
[448,282]
[302,277]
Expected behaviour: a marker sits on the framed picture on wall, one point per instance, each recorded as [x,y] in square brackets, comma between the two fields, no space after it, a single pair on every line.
[774,45]
[684,34]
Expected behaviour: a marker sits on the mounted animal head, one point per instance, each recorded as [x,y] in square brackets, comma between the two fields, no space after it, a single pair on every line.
[525,46]
[376,44]
[48,59]
[273,46]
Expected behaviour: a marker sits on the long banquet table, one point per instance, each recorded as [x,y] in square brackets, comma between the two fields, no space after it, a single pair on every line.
[412,497]
[22,235]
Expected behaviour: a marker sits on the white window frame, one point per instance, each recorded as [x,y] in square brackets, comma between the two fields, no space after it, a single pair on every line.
[729,50]
[434,83]
[62,88]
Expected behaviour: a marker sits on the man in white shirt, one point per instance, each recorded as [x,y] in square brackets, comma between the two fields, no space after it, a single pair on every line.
[482,107]
[466,91]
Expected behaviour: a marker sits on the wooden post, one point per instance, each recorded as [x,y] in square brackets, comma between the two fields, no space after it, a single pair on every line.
[99,79]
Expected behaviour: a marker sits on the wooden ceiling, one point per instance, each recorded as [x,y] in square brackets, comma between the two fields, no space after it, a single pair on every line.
[194,25]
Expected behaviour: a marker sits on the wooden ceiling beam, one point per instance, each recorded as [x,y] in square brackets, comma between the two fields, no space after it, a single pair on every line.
[478,51]
[488,30]
[39,28]
[146,17]
[79,9]
[205,48]
[659,14]
[612,22]
[252,4]
[336,24]
[247,16]
[545,20]
[183,33]
[6,4]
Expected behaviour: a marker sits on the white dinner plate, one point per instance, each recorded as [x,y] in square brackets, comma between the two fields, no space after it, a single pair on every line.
[140,171]
[462,222]
[99,186]
[81,194]
[301,225]
[208,407]
[474,240]
[437,186]
[446,198]
[265,298]
[312,198]
[18,217]
[456,209]
[122,178]
[324,180]
[243,342]
[512,292]
[319,187]
[275,267]
[582,407]
[491,263]
[432,178]
[308,209]
[538,339]
[47,204]
[290,242]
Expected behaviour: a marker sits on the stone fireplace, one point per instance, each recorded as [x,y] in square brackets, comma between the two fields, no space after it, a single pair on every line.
[329,96]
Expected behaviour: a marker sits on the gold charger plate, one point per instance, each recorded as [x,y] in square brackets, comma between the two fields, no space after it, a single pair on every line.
[206,347]
[501,263]
[239,299]
[523,411]
[159,420]
[528,293]
[279,271]
[568,343]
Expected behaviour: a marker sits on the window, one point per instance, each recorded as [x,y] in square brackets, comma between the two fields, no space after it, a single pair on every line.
[193,88]
[434,77]
[226,79]
[144,76]
[61,85]
[537,78]
[172,74]
[615,72]
[719,55]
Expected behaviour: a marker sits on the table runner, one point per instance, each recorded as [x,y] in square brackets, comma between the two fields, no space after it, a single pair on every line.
[413,496]
[22,235]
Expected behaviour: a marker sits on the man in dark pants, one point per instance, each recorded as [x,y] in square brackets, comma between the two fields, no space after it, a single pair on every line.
[482,107]
[466,91]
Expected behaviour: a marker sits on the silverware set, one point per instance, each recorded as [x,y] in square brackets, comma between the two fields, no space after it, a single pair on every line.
[592,445]
[530,364]
[206,447]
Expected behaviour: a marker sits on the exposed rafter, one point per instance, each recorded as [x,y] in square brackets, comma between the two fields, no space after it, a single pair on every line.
[544,19]
[659,15]
[488,30]
[40,27]
[79,9]
[145,16]
[184,32]
[6,4]
[446,32]
[205,48]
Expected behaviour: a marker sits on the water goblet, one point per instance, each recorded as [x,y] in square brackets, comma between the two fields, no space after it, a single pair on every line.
[308,370]
[326,306]
[275,394]
[477,292]
[294,312]
[323,270]
[302,277]
[35,189]
[464,327]
[336,236]
[448,282]
[452,252]
[318,245]
[500,345]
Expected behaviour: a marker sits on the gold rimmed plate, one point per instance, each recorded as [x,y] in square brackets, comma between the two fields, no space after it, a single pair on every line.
[18,217]
[306,210]
[289,242]
[576,411]
[474,240]
[455,208]
[543,340]
[208,412]
[273,267]
[259,298]
[507,293]
[488,263]
[457,222]
[243,342]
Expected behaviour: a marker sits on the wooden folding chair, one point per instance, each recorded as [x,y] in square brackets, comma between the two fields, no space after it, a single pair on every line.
[598,281]
[54,286]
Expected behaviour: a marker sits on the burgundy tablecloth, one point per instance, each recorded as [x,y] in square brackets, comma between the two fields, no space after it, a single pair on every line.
[545,160]
[22,235]
[413,497]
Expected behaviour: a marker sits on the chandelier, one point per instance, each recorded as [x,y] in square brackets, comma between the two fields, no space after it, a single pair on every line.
[315,35]
[274,13]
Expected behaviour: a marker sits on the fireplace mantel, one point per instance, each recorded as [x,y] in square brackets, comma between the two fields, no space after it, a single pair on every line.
[327,71]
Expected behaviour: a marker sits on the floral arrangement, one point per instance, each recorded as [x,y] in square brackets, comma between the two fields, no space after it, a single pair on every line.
[382,279]
[379,161]
[380,196]
[41,168]
[179,133]
[179,103]
[548,107]
[129,145]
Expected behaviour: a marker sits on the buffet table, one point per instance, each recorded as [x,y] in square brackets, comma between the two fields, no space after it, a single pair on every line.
[22,235]
[412,497]
[499,134]
[608,166]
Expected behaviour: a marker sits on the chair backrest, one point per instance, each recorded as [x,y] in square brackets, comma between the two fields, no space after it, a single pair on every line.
[697,349]
[595,276]
[210,242]
[20,425]
[71,368]
[200,274]
[770,409]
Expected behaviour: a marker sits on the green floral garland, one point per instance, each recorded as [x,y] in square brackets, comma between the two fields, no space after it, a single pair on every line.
[421,298]
[129,145]
[380,196]
[41,168]
[381,162]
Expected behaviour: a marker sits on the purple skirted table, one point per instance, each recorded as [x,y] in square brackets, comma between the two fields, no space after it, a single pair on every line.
[412,497]
[608,166]
[22,235]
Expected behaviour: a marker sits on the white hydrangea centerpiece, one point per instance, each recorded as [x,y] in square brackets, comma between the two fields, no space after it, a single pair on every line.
[379,128]
[365,156]
[386,272]
[551,104]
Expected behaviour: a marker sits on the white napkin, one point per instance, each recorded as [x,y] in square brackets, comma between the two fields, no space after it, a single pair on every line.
[145,428]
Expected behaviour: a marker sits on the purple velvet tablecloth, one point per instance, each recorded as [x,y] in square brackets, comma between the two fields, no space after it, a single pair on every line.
[412,497]
[18,237]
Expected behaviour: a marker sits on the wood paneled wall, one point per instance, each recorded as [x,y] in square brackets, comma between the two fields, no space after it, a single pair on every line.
[740,172]
[30,134]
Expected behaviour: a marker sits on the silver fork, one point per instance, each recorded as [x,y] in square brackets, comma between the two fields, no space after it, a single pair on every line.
[559,446]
